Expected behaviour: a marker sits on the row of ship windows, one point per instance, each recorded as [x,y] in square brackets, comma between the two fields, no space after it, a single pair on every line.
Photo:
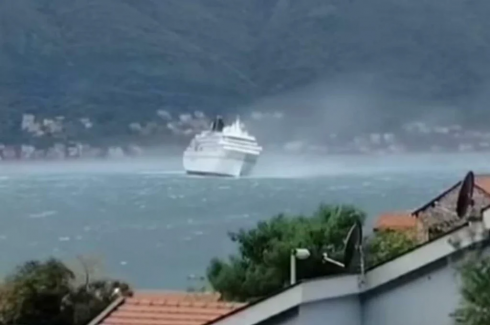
[201,146]
[225,142]
[227,138]
[214,144]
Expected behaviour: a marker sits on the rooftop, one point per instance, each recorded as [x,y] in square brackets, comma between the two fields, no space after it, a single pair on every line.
[395,221]
[483,182]
[165,308]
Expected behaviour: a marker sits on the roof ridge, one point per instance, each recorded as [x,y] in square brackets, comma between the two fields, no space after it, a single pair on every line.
[435,199]
[396,212]
[108,311]
[164,291]
[441,195]
[165,304]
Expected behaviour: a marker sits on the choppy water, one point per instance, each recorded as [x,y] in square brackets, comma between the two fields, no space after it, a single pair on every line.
[154,227]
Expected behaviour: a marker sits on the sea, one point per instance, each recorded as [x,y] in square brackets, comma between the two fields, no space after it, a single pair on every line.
[146,222]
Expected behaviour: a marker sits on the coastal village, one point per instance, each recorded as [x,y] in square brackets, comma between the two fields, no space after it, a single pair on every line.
[428,223]
[58,138]
[64,139]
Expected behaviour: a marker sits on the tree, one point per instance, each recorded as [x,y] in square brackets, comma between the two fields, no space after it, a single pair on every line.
[46,292]
[475,291]
[387,244]
[262,263]
[86,301]
[34,292]
[91,293]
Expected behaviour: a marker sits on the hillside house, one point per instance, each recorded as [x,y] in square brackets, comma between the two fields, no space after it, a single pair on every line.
[420,287]
[436,218]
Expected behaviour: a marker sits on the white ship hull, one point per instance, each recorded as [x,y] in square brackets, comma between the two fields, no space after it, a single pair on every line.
[223,162]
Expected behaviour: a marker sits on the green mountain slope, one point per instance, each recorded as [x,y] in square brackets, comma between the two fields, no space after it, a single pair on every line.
[118,61]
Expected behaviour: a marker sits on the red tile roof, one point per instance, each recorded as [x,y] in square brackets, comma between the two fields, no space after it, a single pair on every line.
[166,308]
[483,182]
[396,221]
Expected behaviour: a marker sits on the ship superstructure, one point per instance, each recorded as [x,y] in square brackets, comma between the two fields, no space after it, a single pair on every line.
[223,150]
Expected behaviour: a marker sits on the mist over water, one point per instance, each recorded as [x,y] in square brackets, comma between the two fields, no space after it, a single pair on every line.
[281,165]
[273,165]
[332,113]
[109,166]
[346,106]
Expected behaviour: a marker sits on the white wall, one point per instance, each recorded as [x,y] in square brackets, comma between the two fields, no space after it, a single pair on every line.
[337,311]
[427,299]
[290,317]
[418,288]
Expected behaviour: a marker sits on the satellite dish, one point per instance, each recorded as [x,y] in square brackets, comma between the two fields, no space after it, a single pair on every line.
[465,203]
[353,243]
[465,210]
[465,197]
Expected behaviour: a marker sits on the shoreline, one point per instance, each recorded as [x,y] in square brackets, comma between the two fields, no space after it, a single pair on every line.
[293,155]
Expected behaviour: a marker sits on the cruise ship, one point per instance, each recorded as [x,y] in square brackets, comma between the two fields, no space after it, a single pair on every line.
[223,150]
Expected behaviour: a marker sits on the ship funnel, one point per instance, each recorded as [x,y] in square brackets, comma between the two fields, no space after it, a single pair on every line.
[218,124]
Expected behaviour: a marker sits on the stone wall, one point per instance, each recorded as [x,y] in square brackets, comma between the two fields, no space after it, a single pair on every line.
[441,216]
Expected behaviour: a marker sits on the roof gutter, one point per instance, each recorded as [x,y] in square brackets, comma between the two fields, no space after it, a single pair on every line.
[109,309]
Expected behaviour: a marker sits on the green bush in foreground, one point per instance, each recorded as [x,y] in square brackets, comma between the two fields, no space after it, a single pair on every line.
[48,292]
[261,265]
[387,244]
[475,293]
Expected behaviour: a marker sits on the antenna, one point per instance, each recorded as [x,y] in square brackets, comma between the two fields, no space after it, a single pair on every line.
[353,244]
[217,125]
[465,203]
[465,198]
[466,210]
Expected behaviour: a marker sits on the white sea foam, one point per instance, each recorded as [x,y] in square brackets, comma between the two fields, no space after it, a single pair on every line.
[42,214]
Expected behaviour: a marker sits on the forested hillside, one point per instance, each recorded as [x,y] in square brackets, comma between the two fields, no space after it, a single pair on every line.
[119,61]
